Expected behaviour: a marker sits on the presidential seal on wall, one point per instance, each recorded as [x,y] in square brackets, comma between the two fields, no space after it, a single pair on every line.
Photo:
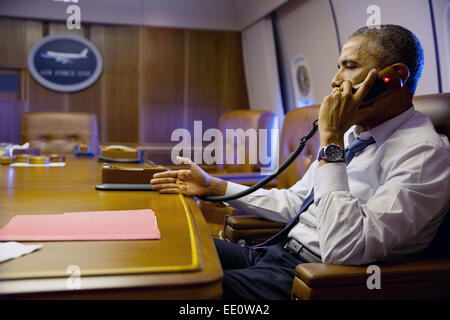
[303,80]
[65,63]
[303,90]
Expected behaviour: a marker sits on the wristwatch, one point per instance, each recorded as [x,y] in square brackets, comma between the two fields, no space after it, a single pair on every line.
[332,153]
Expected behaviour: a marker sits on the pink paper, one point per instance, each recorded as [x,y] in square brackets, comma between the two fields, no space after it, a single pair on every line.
[73,226]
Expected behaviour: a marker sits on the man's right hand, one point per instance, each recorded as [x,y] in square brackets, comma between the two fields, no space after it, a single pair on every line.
[190,182]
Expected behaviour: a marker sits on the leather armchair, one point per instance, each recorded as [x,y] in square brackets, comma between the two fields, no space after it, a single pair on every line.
[415,279]
[247,173]
[250,230]
[59,132]
[241,168]
[419,277]
[437,107]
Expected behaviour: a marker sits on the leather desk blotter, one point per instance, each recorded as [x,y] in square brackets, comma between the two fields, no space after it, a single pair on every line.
[123,178]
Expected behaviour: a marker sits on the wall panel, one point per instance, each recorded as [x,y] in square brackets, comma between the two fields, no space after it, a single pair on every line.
[40,98]
[191,75]
[10,119]
[10,109]
[119,46]
[306,28]
[207,68]
[33,32]
[122,107]
[262,69]
[59,28]
[158,121]
[441,10]
[87,100]
[237,86]
[12,44]
[162,58]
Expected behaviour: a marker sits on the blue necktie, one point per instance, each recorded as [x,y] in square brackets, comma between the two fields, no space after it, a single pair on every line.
[356,146]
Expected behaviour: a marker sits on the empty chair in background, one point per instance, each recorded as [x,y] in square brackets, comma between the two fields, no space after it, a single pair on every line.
[59,132]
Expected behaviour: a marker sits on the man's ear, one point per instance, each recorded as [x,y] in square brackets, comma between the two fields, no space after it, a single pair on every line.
[402,70]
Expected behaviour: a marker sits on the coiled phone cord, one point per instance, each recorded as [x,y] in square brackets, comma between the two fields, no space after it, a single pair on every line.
[270,177]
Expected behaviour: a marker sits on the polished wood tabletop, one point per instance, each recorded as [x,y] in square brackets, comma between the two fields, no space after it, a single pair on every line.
[183,264]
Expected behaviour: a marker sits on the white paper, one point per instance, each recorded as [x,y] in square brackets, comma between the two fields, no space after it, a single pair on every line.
[12,250]
[21,147]
[51,164]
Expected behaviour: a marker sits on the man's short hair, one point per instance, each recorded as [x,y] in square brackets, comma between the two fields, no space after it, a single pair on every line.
[396,44]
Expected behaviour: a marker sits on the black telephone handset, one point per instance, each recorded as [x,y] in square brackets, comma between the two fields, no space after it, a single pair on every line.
[387,81]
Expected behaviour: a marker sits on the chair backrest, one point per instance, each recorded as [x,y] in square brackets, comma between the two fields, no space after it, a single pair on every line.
[297,123]
[59,132]
[437,107]
[440,245]
[240,121]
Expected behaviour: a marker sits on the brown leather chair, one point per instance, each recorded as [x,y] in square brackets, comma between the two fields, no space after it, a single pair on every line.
[420,277]
[247,173]
[244,120]
[248,229]
[435,106]
[59,132]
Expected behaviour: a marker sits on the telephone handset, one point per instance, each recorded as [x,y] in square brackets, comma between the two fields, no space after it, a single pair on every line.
[117,147]
[387,81]
[120,153]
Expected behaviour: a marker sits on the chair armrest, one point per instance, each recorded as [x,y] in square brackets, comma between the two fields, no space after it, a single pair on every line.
[317,275]
[252,222]
[249,230]
[246,178]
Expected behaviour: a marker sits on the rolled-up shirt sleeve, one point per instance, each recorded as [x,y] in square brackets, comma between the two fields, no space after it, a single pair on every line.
[330,177]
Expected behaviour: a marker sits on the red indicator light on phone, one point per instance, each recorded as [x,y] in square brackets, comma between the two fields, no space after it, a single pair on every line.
[386,79]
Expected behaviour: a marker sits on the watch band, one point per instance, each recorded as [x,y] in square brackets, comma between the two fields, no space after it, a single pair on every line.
[323,156]
[320,157]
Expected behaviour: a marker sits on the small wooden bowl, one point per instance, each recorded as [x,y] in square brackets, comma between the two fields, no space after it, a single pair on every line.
[22,158]
[39,160]
[5,160]
[57,158]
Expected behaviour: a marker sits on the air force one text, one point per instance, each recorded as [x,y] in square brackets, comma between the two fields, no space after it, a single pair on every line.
[65,57]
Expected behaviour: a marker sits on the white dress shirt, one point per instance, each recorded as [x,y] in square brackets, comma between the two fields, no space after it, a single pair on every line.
[388,202]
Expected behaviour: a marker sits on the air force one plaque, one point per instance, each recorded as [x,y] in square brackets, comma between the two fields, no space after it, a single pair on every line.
[65,63]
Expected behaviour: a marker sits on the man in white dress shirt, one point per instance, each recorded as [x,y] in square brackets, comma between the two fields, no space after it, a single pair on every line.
[386,203]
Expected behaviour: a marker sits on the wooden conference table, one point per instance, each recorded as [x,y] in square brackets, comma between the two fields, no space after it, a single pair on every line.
[182,265]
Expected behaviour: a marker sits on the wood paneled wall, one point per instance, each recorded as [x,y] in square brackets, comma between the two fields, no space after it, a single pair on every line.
[154,80]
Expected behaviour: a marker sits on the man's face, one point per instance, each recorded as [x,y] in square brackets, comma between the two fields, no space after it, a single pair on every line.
[355,62]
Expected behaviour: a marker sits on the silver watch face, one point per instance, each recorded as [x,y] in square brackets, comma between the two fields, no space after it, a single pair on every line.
[333,152]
